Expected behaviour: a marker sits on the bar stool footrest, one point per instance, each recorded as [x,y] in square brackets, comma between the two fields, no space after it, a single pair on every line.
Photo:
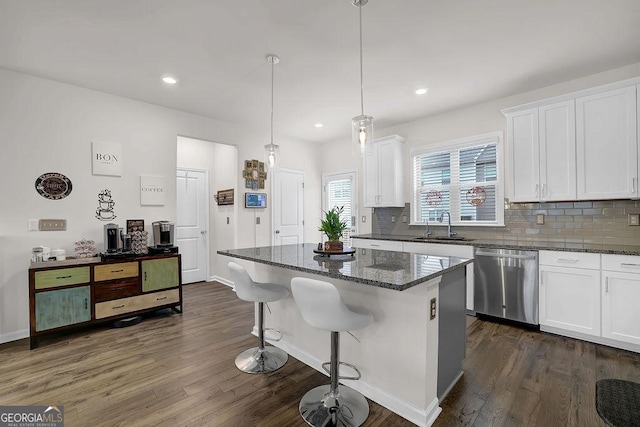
[342,377]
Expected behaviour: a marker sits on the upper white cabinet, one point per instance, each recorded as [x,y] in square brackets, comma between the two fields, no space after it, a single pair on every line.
[607,145]
[580,146]
[384,173]
[542,153]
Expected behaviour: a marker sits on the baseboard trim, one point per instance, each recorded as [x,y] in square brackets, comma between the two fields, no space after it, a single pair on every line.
[14,336]
[222,280]
[422,417]
[597,340]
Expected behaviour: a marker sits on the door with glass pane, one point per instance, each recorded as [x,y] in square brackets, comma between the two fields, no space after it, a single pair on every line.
[341,190]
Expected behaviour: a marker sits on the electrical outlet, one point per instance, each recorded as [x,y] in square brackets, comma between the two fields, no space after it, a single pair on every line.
[393,218]
[633,219]
[540,219]
[52,224]
[364,218]
[227,220]
[405,219]
[258,220]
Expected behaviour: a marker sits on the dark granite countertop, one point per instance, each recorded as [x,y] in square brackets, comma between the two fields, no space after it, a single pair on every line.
[386,269]
[505,244]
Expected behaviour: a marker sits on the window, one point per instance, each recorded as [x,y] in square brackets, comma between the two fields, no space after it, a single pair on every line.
[340,191]
[461,177]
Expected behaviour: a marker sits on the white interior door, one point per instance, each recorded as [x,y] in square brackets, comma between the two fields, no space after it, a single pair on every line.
[288,207]
[192,228]
[341,190]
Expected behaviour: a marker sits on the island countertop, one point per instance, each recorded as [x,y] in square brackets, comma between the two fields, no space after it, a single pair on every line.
[386,269]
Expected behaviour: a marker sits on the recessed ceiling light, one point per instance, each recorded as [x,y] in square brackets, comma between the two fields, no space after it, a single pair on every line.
[318,125]
[170,80]
[421,91]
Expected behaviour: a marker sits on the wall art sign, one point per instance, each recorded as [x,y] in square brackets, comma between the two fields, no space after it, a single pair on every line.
[106,159]
[105,209]
[476,196]
[224,197]
[152,191]
[53,186]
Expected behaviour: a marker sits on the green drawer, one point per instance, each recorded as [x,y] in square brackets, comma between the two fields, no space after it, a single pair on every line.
[61,277]
[63,307]
[160,274]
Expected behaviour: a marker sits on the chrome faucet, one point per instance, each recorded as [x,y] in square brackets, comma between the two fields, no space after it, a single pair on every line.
[427,231]
[449,232]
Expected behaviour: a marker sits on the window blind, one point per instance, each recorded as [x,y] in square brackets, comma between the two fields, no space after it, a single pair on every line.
[463,180]
[339,194]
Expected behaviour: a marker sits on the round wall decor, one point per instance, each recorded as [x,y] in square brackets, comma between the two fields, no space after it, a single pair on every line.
[53,186]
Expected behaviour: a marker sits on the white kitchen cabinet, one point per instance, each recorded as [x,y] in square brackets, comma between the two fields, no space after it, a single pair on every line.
[441,249]
[607,145]
[620,296]
[384,173]
[570,296]
[541,153]
[384,245]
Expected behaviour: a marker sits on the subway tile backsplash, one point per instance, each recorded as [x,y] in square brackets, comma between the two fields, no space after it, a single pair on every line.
[575,223]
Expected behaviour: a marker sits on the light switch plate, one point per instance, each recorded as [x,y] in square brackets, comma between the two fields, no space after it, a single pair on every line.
[405,219]
[540,219]
[633,219]
[52,224]
[393,218]
[33,225]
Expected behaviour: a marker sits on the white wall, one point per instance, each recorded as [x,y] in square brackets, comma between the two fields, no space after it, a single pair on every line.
[46,126]
[473,120]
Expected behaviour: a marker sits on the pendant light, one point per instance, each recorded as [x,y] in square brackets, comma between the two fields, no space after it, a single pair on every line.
[362,125]
[272,151]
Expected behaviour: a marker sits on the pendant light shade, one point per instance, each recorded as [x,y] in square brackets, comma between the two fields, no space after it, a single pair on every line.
[362,125]
[272,151]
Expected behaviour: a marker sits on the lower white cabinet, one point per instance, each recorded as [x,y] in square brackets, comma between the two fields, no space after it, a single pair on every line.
[592,297]
[383,245]
[570,299]
[620,297]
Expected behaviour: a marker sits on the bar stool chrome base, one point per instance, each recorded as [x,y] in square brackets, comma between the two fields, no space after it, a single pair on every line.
[261,361]
[347,408]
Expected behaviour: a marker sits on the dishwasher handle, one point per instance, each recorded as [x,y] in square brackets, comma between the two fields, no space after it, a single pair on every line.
[514,256]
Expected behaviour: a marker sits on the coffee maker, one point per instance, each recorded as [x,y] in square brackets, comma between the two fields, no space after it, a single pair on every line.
[111,234]
[163,238]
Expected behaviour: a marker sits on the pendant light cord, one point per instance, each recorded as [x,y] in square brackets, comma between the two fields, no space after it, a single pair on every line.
[272,65]
[361,78]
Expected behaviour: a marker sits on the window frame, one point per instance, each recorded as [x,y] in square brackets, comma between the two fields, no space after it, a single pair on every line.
[457,145]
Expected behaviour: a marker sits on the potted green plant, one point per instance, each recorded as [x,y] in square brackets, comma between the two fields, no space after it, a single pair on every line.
[333,227]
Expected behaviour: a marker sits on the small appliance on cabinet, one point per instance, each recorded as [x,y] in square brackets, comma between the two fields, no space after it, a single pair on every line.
[163,238]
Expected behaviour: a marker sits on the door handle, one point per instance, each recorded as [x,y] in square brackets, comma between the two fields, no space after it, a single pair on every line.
[203,232]
[277,231]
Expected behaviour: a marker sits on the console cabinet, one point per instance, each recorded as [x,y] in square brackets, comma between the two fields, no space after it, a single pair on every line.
[75,293]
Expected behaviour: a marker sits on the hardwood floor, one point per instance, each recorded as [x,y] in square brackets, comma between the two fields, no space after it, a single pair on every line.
[178,370]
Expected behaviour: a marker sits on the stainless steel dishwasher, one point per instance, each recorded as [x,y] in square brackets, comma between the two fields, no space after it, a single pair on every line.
[506,284]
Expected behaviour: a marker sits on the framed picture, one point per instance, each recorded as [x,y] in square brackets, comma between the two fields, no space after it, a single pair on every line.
[254,164]
[254,184]
[152,190]
[106,159]
[255,200]
[248,183]
[261,167]
[248,164]
[135,225]
[262,175]
[246,174]
[261,184]
[225,197]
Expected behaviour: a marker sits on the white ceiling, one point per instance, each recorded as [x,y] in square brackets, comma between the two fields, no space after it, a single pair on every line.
[464,51]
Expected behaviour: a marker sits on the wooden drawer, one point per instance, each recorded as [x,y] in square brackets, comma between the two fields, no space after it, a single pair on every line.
[61,277]
[570,259]
[140,302]
[623,263]
[116,289]
[115,271]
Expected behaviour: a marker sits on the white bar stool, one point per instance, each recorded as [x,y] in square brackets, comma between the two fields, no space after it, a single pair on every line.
[321,307]
[261,359]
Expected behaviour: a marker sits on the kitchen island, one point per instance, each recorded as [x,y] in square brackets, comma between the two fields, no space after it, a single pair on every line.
[411,355]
